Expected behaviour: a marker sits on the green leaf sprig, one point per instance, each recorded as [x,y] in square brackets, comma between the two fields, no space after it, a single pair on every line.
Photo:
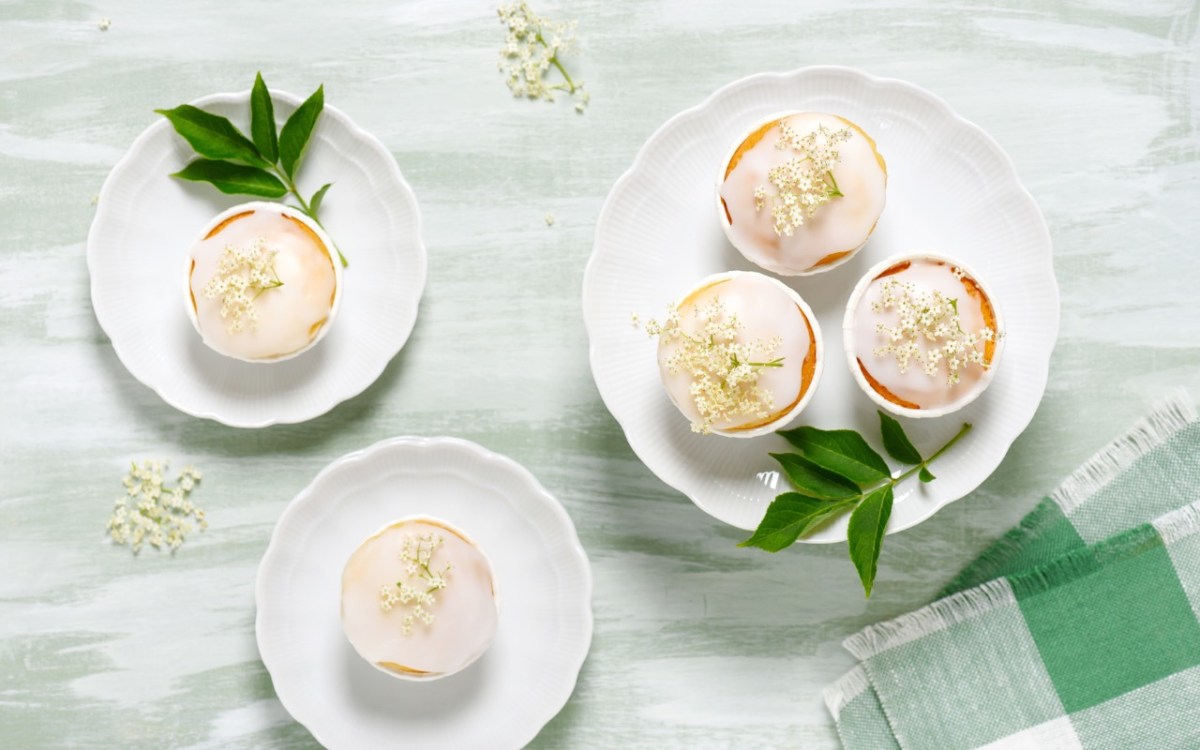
[263,165]
[833,471]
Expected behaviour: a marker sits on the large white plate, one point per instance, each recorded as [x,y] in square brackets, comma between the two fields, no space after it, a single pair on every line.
[146,221]
[951,190]
[542,574]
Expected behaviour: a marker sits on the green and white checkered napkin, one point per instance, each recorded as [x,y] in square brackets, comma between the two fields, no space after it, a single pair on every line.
[1080,628]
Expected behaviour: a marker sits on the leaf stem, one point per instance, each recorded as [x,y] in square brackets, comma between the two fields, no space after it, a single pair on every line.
[291,186]
[958,436]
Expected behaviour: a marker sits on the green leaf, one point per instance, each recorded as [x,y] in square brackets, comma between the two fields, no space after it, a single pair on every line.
[212,135]
[297,130]
[314,205]
[865,535]
[926,475]
[262,120]
[234,179]
[844,452]
[810,479]
[788,517]
[896,442]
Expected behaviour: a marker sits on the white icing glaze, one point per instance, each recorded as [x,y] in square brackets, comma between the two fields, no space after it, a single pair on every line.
[840,225]
[286,314]
[915,385]
[766,310]
[466,610]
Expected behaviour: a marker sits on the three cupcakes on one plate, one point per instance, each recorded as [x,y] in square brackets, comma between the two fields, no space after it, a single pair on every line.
[741,353]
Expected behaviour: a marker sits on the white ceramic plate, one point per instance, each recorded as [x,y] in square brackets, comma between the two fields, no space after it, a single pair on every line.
[502,700]
[144,226]
[951,190]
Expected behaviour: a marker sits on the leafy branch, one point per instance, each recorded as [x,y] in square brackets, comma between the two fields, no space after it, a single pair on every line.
[263,165]
[833,471]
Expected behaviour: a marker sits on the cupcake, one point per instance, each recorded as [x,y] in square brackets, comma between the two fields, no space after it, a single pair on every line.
[419,600]
[802,193]
[922,335]
[261,283]
[739,355]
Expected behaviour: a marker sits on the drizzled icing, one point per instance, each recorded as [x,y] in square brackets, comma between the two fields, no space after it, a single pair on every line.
[285,317]
[837,228]
[462,616]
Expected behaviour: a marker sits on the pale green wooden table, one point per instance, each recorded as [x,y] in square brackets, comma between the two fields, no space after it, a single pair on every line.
[698,643]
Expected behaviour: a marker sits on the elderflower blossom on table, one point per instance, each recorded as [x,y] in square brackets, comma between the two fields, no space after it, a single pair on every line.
[422,581]
[243,273]
[724,370]
[152,512]
[805,182]
[929,317]
[531,49]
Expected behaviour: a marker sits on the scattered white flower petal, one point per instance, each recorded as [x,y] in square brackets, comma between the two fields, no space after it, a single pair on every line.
[531,48]
[243,273]
[159,515]
[805,182]
[929,317]
[416,552]
[104,24]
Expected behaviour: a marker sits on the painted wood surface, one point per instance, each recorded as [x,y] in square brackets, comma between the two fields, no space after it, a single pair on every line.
[698,643]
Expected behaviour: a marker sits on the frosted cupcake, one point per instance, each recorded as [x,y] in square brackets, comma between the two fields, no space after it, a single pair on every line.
[419,599]
[739,355]
[261,283]
[801,193]
[922,335]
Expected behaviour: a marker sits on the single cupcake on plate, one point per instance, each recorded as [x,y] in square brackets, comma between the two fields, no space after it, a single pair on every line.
[261,283]
[739,355]
[922,335]
[801,193]
[419,599]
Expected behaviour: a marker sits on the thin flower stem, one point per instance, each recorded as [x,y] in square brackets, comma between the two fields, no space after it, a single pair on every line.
[836,192]
[772,363]
[554,61]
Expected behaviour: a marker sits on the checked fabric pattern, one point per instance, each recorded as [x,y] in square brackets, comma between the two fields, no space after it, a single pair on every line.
[1080,628]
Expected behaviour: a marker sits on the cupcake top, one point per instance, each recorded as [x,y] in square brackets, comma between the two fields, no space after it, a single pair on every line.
[738,353]
[802,193]
[923,334]
[419,600]
[262,284]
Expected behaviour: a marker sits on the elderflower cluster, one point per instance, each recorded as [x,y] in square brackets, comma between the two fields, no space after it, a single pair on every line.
[243,273]
[930,317]
[724,371]
[422,583]
[805,182]
[531,48]
[151,512]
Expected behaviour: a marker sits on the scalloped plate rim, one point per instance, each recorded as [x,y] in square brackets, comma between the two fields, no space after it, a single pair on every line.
[348,462]
[134,153]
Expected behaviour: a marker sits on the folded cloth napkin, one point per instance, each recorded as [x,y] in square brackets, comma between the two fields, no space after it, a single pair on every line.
[1080,628]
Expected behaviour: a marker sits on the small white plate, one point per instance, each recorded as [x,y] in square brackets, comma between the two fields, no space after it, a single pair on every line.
[146,222]
[951,190]
[545,628]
